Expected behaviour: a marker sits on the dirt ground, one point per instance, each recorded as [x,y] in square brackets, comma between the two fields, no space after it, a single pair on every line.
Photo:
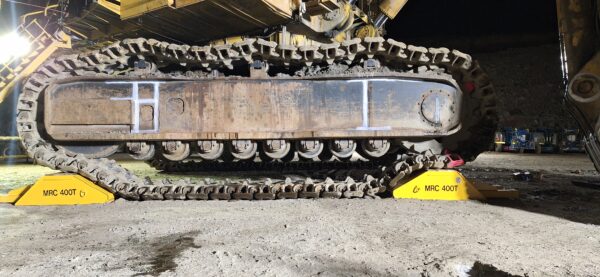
[552,230]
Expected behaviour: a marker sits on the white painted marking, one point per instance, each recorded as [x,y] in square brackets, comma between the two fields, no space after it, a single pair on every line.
[365,105]
[436,116]
[136,102]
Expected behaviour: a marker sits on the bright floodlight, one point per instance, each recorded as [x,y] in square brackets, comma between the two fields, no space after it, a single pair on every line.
[13,46]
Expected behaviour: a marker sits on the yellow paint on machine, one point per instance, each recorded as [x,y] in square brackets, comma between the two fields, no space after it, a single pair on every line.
[438,185]
[128,9]
[60,189]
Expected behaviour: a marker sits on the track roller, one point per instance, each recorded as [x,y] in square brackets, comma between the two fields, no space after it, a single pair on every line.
[309,149]
[342,149]
[277,150]
[243,149]
[175,150]
[374,149]
[141,151]
[210,150]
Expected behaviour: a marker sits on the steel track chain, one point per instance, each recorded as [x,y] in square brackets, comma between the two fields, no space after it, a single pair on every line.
[274,166]
[115,59]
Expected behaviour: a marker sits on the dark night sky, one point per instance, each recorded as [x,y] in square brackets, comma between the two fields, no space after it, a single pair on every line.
[509,23]
[476,17]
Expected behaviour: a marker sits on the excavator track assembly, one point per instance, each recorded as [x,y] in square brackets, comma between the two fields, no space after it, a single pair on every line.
[261,86]
[114,63]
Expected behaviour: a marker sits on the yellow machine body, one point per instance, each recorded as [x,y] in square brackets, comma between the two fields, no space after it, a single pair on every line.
[438,185]
[133,8]
[61,189]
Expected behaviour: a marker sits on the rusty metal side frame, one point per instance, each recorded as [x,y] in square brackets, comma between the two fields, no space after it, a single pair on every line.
[248,108]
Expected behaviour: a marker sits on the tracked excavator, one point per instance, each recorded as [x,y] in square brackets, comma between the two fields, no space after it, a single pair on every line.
[206,85]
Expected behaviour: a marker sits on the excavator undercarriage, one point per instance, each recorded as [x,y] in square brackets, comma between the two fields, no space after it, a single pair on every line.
[304,93]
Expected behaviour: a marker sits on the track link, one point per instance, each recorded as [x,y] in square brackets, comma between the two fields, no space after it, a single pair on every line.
[118,60]
[215,166]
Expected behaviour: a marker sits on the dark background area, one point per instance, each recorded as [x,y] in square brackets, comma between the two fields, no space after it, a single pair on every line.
[515,41]
[475,25]
[10,12]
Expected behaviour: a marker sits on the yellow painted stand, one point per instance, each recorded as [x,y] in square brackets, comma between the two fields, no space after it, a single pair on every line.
[448,185]
[13,195]
[60,189]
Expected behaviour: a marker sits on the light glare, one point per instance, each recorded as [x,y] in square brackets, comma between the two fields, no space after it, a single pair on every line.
[13,46]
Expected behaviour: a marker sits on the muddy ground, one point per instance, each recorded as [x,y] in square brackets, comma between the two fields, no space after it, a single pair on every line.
[552,230]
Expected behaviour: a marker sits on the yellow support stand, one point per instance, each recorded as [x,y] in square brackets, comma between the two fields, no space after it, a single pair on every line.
[60,189]
[13,195]
[448,185]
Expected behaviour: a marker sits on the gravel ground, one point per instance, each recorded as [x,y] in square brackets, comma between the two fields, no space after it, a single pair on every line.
[552,230]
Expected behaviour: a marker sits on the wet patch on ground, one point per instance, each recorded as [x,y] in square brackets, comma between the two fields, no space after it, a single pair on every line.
[480,269]
[165,250]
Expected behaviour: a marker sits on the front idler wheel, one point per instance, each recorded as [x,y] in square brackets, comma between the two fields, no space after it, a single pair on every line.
[94,151]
